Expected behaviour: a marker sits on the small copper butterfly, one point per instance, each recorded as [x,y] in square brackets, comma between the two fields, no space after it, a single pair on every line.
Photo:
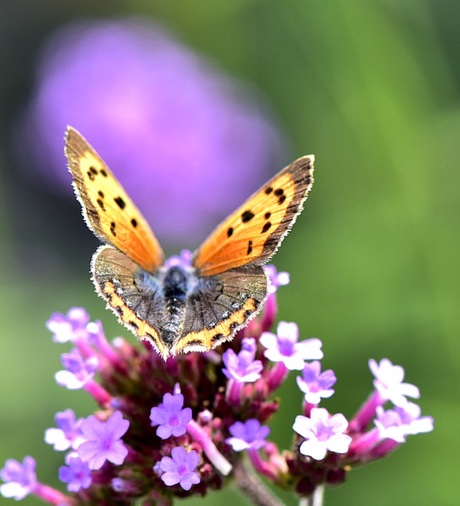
[176,308]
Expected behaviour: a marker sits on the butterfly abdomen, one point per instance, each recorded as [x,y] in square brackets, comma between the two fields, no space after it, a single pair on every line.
[175,288]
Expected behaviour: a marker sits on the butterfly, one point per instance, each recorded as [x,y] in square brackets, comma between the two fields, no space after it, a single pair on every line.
[183,308]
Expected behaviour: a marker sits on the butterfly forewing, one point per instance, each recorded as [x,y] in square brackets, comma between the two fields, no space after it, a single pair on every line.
[253,233]
[107,208]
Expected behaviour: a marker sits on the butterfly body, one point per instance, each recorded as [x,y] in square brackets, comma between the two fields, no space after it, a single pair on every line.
[175,304]
[183,306]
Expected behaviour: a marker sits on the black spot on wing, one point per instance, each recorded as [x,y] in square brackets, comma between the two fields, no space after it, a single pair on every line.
[280,194]
[230,231]
[195,342]
[216,337]
[247,216]
[266,227]
[120,202]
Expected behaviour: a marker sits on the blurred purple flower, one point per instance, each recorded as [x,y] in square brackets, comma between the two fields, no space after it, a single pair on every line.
[284,346]
[316,384]
[402,421]
[20,478]
[184,260]
[76,473]
[250,434]
[179,468]
[68,431]
[170,416]
[388,382]
[322,432]
[276,278]
[242,367]
[168,124]
[79,370]
[103,440]
[69,327]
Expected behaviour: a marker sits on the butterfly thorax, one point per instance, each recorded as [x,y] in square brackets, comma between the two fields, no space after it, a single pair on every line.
[174,287]
[175,283]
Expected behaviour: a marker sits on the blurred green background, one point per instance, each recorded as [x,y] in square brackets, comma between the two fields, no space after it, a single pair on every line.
[370,87]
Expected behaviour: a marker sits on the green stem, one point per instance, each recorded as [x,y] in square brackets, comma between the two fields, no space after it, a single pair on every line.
[253,488]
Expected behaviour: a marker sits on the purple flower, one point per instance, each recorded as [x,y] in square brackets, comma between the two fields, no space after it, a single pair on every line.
[388,382]
[316,384]
[276,278]
[322,433]
[249,434]
[284,347]
[20,479]
[96,335]
[78,370]
[69,327]
[129,487]
[179,468]
[68,434]
[170,416]
[157,107]
[76,473]
[402,421]
[242,367]
[102,440]
[184,260]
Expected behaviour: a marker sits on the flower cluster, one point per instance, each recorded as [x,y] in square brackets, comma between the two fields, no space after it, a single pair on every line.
[181,427]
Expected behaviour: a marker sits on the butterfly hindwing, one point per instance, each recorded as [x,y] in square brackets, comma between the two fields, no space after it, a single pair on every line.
[222,305]
[253,233]
[218,308]
[108,210]
[140,310]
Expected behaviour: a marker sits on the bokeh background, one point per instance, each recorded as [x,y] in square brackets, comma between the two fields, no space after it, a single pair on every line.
[370,87]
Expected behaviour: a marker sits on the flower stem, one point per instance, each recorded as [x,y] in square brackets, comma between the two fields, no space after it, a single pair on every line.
[253,488]
[217,459]
[51,495]
[315,499]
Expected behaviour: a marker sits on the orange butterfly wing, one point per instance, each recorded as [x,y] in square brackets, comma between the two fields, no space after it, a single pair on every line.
[253,233]
[107,209]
